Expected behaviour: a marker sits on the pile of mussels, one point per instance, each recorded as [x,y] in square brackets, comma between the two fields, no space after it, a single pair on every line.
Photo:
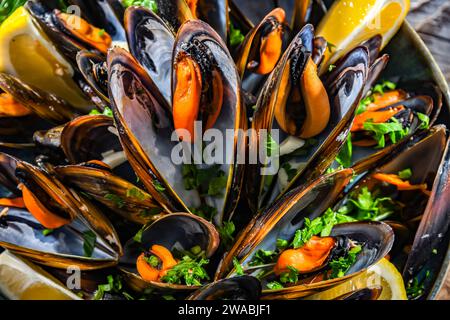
[87,177]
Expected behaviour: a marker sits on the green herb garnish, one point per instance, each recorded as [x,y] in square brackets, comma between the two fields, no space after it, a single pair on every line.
[150,4]
[138,236]
[424,121]
[106,112]
[158,186]
[188,271]
[344,157]
[321,225]
[226,232]
[291,276]
[90,239]
[208,181]
[236,36]
[153,261]
[393,128]
[204,211]
[405,174]
[137,194]
[290,172]
[274,285]
[114,286]
[118,201]
[263,257]
[238,267]
[341,265]
[368,207]
[46,232]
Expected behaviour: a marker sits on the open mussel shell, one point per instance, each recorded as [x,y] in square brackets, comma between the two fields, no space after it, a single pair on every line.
[343,87]
[237,288]
[174,13]
[45,105]
[71,85]
[284,217]
[281,220]
[422,215]
[416,88]
[105,14]
[215,13]
[93,68]
[8,179]
[423,263]
[145,128]
[65,204]
[198,43]
[151,43]
[119,195]
[92,138]
[178,232]
[377,239]
[23,235]
[248,58]
[422,157]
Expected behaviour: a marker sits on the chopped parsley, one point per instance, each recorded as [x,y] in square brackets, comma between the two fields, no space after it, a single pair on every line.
[263,257]
[226,232]
[344,157]
[364,103]
[137,194]
[290,172]
[424,121]
[114,285]
[236,36]
[331,67]
[238,267]
[366,206]
[393,128]
[46,232]
[106,112]
[150,4]
[158,186]
[210,181]
[271,145]
[291,276]
[274,285]
[416,288]
[341,265]
[90,239]
[138,236]
[118,201]
[101,32]
[381,88]
[204,211]
[321,225]
[188,271]
[405,174]
[153,261]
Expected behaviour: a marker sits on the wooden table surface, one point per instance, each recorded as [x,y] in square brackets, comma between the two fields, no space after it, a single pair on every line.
[431,19]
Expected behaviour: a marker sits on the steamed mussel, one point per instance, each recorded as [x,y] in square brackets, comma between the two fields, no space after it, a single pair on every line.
[193,149]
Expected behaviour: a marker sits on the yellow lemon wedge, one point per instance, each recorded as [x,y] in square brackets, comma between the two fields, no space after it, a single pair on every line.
[383,274]
[22,280]
[350,22]
[27,53]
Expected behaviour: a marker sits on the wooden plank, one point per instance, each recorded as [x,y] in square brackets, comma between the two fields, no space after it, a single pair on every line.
[431,18]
